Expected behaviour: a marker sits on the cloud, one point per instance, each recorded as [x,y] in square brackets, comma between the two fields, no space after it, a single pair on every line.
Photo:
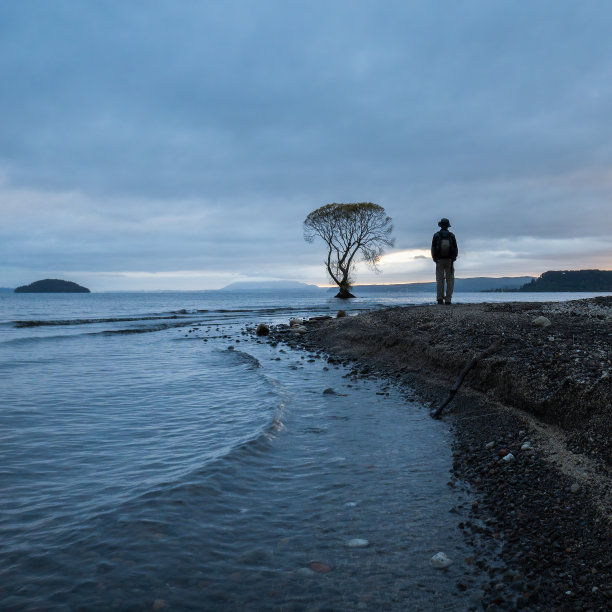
[172,137]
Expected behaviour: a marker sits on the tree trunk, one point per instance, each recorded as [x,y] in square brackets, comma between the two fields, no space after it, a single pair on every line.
[344,292]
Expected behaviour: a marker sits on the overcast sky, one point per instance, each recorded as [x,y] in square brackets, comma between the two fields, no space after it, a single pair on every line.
[180,144]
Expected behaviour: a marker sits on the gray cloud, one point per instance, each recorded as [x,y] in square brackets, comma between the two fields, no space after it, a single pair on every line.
[165,136]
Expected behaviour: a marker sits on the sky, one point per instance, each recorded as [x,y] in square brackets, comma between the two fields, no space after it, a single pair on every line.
[164,144]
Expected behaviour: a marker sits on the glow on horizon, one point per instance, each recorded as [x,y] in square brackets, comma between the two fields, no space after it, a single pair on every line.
[405,256]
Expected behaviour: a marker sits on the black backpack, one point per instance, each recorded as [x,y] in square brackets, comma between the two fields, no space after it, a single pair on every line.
[444,244]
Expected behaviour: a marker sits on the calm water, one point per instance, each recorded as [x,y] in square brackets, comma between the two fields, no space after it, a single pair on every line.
[154,455]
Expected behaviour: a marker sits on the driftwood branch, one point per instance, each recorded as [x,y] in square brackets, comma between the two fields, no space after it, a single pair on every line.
[451,394]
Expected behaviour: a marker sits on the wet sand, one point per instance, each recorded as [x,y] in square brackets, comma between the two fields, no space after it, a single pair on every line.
[532,427]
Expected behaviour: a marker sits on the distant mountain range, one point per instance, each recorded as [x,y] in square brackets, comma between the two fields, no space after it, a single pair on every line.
[562,280]
[270,286]
[465,285]
[461,284]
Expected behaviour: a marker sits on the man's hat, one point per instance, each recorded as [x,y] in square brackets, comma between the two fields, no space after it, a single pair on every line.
[444,222]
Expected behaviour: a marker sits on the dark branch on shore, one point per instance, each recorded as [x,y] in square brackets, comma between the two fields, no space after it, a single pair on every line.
[453,391]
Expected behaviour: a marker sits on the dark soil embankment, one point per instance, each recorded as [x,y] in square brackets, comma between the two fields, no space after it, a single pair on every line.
[549,504]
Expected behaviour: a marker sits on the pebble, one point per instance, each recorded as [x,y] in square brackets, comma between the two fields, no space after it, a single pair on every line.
[305,571]
[440,561]
[319,567]
[490,445]
[575,488]
[477,595]
[357,543]
[508,457]
[262,330]
[541,322]
[526,446]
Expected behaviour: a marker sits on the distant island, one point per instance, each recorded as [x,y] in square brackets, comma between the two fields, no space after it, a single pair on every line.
[52,285]
[571,280]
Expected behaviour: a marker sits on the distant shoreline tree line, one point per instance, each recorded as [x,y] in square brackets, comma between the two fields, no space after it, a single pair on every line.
[566,280]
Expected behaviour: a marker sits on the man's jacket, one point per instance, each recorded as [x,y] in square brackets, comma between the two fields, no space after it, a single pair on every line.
[444,245]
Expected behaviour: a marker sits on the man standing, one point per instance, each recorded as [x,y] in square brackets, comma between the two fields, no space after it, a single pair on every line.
[444,251]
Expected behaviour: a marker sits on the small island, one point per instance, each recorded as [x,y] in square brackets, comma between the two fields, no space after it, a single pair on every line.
[52,285]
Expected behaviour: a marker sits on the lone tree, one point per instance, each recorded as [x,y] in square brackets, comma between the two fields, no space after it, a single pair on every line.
[349,229]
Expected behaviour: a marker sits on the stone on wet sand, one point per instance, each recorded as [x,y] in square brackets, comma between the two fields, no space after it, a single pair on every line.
[319,567]
[440,561]
[541,322]
[262,330]
[357,543]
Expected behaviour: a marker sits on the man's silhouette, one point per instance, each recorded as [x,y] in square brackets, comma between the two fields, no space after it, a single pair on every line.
[444,251]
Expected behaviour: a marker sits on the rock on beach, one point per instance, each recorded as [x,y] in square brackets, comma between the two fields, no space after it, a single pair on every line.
[357,543]
[440,560]
[262,330]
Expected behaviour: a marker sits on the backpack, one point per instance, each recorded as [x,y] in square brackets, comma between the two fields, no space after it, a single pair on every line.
[444,244]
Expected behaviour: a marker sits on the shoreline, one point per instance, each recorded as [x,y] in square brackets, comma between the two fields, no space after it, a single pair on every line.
[543,398]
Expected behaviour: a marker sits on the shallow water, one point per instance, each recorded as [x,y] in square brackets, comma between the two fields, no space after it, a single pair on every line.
[169,456]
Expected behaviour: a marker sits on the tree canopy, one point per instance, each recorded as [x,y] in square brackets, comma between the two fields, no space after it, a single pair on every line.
[349,230]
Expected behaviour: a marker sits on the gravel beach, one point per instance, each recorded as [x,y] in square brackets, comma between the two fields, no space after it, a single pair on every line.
[532,425]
